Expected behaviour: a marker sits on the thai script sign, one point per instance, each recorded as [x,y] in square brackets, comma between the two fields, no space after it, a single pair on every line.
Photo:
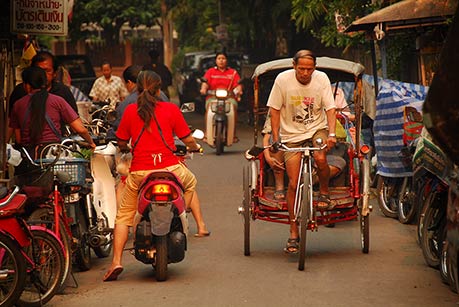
[39,17]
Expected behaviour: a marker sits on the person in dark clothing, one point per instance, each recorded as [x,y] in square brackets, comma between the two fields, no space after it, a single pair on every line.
[161,70]
[46,61]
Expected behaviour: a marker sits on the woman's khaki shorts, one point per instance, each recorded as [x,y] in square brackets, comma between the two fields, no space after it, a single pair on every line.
[128,207]
[323,134]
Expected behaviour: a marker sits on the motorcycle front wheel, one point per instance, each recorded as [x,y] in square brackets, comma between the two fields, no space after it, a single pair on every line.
[432,223]
[161,258]
[219,143]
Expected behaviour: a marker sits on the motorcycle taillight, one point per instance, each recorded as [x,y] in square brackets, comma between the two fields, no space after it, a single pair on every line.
[161,192]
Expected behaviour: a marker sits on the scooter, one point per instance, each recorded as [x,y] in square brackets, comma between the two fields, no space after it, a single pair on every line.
[221,119]
[161,235]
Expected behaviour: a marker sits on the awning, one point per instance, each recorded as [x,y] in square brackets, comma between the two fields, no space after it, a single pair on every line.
[407,14]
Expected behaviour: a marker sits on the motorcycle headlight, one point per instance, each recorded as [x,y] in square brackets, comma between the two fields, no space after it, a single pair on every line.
[221,93]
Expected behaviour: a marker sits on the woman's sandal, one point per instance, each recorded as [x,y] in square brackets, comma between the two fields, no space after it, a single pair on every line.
[324,202]
[279,195]
[292,246]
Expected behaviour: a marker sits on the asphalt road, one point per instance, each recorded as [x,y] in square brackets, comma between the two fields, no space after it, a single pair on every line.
[216,273]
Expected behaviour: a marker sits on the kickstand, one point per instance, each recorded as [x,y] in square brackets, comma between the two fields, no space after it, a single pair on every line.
[75,283]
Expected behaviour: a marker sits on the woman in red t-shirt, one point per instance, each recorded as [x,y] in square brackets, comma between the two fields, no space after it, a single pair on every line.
[222,76]
[151,151]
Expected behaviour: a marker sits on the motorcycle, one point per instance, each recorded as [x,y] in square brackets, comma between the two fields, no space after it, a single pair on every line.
[220,120]
[161,234]
[31,257]
[434,168]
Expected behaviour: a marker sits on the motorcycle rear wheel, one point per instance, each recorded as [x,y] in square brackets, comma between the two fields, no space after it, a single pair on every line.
[406,202]
[161,258]
[83,251]
[13,263]
[388,195]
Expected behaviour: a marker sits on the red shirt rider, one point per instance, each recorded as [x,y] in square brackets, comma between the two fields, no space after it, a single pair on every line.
[150,151]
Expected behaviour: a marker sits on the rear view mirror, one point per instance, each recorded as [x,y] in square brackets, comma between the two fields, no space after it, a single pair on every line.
[198,134]
[187,107]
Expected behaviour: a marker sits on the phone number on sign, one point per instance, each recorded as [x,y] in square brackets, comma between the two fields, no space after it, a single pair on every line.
[32,26]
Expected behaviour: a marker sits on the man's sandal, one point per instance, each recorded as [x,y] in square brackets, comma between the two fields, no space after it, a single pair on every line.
[324,202]
[292,246]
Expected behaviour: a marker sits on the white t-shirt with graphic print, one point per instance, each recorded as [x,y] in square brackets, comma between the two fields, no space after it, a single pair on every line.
[302,107]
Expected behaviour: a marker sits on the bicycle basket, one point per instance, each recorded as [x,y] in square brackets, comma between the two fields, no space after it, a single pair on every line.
[37,183]
[75,168]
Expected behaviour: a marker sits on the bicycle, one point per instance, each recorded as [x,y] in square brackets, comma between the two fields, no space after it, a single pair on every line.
[31,257]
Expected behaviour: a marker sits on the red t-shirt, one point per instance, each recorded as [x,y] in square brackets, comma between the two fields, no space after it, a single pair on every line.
[227,79]
[56,108]
[150,152]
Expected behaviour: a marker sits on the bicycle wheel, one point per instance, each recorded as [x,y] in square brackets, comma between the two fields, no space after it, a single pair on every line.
[47,215]
[304,220]
[43,280]
[246,201]
[12,271]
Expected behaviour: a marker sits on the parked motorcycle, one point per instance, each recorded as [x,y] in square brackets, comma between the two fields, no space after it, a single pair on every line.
[161,235]
[221,119]
[434,168]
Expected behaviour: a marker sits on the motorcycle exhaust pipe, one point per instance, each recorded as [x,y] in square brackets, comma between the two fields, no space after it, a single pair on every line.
[97,240]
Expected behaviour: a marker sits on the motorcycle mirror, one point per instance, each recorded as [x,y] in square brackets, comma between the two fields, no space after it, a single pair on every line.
[198,134]
[319,141]
[187,107]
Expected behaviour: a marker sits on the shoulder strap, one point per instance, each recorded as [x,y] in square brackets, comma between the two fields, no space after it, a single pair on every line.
[137,140]
[48,120]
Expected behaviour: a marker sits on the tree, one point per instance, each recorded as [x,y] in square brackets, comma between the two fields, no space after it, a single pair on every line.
[327,18]
[111,15]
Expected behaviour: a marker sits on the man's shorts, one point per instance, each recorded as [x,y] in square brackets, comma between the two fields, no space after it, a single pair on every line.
[322,133]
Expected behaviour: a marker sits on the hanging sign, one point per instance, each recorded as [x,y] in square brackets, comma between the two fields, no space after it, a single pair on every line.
[44,17]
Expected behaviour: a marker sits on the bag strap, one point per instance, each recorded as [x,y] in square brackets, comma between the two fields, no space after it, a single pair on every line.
[137,140]
[161,132]
[48,120]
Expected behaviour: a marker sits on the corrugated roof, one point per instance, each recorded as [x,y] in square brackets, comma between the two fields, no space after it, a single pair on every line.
[407,13]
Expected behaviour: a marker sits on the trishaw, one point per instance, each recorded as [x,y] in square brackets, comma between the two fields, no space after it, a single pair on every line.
[350,191]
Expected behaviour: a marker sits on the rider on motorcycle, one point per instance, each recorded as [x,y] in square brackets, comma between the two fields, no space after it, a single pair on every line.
[151,125]
[224,77]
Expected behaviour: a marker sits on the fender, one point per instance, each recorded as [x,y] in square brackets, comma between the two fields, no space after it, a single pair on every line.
[220,118]
[41,228]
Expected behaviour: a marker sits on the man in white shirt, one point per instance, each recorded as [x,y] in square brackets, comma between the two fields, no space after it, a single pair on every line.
[302,109]
[108,88]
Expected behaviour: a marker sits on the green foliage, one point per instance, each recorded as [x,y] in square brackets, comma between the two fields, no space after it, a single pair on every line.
[111,14]
[318,16]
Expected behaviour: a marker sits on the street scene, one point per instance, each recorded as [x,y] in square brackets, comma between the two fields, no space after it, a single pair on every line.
[204,153]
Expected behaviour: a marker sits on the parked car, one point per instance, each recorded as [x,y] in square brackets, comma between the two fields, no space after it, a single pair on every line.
[80,69]
[198,63]
[187,81]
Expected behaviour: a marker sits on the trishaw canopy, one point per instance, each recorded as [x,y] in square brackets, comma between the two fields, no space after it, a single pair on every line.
[323,63]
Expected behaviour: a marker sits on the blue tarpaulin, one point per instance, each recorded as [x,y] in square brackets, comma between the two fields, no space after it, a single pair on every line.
[393,96]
